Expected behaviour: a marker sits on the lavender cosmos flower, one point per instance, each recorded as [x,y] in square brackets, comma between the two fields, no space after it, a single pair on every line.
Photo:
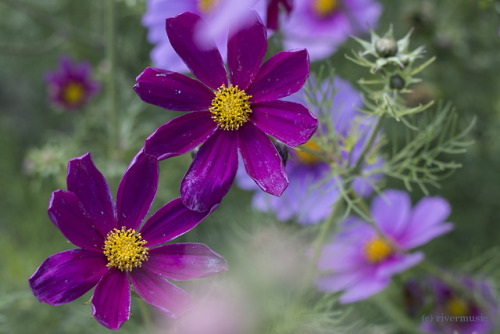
[220,15]
[361,263]
[114,249]
[227,118]
[273,7]
[455,313]
[322,25]
[70,85]
[310,195]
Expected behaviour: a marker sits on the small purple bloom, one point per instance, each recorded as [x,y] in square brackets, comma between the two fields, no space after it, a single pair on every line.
[114,250]
[322,25]
[227,118]
[70,86]
[360,263]
[455,313]
[273,8]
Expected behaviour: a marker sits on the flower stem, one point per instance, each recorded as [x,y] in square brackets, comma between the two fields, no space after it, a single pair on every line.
[146,317]
[111,83]
[368,144]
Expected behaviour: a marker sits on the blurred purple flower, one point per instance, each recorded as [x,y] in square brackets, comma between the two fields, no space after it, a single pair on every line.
[227,119]
[273,8]
[360,263]
[70,86]
[221,16]
[113,249]
[310,195]
[322,25]
[463,315]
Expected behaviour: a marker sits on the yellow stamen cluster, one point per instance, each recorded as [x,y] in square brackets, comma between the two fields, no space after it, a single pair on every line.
[73,93]
[457,307]
[324,7]
[305,157]
[230,107]
[377,250]
[206,6]
[125,249]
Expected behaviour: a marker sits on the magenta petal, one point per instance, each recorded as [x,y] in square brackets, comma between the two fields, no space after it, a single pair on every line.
[169,222]
[212,172]
[86,182]
[262,161]
[185,261]
[245,52]
[281,75]
[137,190]
[157,291]
[172,90]
[111,299]
[69,215]
[204,62]
[180,135]
[65,276]
[289,122]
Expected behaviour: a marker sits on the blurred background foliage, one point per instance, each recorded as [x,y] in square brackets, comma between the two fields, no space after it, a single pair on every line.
[463,34]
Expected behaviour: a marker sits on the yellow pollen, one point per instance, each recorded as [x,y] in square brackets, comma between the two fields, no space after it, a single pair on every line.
[230,107]
[324,7]
[457,307]
[305,157]
[206,6]
[73,93]
[377,250]
[125,249]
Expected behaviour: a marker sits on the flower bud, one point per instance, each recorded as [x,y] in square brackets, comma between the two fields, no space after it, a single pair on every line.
[396,82]
[386,47]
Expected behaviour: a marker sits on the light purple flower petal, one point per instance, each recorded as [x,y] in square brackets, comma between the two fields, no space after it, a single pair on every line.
[67,212]
[180,135]
[412,239]
[86,182]
[281,75]
[65,276]
[261,159]
[245,52]
[169,222]
[205,62]
[364,289]
[185,261]
[399,264]
[289,122]
[172,90]
[157,291]
[341,280]
[212,171]
[391,211]
[137,190]
[111,299]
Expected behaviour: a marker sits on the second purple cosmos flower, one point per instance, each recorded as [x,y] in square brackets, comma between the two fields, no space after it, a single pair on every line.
[227,118]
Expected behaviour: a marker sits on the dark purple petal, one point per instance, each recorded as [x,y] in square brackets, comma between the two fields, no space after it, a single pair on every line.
[282,75]
[172,90]
[65,276]
[157,291]
[262,161]
[245,52]
[180,135]
[289,122]
[204,62]
[169,222]
[69,215]
[137,190]
[212,172]
[111,299]
[185,261]
[86,182]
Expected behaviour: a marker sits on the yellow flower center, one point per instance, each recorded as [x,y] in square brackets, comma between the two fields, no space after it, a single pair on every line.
[306,158]
[125,249]
[377,250]
[206,6]
[73,93]
[457,307]
[230,107]
[324,7]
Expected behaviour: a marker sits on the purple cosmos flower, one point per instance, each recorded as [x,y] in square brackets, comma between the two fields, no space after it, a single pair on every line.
[227,118]
[220,15]
[361,263]
[310,195]
[70,85]
[322,25]
[273,7]
[115,250]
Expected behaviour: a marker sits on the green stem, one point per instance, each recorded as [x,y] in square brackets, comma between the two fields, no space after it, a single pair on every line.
[111,82]
[395,314]
[368,144]
[148,322]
